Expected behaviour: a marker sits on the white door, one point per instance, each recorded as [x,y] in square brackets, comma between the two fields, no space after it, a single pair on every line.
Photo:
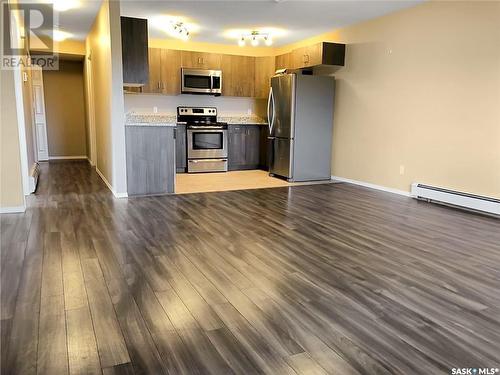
[39,111]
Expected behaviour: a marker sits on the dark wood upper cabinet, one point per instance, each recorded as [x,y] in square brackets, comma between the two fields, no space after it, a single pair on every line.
[134,51]
[332,53]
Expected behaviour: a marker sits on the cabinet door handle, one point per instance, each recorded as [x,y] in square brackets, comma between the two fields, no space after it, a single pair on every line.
[175,133]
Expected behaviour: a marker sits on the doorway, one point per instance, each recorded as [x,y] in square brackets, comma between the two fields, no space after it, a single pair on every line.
[64,98]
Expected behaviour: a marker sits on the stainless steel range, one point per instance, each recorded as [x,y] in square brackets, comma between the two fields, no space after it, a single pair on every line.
[206,139]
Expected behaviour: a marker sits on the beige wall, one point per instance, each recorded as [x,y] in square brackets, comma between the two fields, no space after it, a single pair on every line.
[70,47]
[98,46]
[421,89]
[103,46]
[18,154]
[64,105]
[11,186]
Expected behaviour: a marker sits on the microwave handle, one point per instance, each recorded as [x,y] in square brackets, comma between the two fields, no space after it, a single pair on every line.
[211,82]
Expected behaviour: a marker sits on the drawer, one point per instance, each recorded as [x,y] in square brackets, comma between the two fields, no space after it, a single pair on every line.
[207,165]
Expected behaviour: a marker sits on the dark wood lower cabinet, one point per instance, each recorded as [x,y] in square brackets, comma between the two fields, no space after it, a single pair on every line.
[244,147]
[150,159]
[180,149]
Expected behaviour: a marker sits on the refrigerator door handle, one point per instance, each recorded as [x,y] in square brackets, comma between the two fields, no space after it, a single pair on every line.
[270,118]
[274,112]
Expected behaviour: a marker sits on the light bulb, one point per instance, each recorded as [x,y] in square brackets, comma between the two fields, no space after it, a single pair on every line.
[241,42]
[268,41]
[255,42]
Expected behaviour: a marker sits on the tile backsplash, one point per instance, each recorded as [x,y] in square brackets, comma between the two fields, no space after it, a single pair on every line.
[226,106]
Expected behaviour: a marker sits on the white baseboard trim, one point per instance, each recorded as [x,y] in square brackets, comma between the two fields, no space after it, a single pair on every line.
[110,187]
[371,186]
[12,210]
[77,157]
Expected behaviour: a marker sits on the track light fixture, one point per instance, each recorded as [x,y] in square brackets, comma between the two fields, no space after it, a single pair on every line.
[255,37]
[180,30]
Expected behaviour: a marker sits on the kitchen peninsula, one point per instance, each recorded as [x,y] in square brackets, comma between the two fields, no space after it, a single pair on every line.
[157,149]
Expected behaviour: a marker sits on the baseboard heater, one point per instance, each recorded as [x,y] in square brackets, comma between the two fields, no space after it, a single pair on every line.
[456,198]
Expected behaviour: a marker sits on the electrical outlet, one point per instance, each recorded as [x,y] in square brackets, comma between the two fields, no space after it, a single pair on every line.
[155,109]
[401,170]
[249,111]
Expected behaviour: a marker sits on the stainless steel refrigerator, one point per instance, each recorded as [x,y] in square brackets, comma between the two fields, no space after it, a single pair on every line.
[300,115]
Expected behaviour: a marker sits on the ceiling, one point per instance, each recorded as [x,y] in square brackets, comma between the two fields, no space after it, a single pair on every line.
[76,21]
[295,19]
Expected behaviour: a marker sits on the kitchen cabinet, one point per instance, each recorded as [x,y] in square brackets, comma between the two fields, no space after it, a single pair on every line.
[283,61]
[242,76]
[243,147]
[238,75]
[154,82]
[324,53]
[236,147]
[264,148]
[252,146]
[164,72]
[180,149]
[201,60]
[264,70]
[170,72]
[134,33]
[150,159]
[307,56]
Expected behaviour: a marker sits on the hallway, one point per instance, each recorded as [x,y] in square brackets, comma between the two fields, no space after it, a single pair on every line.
[316,279]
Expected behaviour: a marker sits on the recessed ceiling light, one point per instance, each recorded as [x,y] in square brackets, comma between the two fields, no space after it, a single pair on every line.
[60,35]
[64,5]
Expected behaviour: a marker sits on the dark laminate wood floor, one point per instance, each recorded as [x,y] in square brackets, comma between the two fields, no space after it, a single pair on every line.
[316,279]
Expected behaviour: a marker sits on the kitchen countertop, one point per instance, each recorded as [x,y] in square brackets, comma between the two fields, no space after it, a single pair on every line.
[242,120]
[150,119]
[166,119]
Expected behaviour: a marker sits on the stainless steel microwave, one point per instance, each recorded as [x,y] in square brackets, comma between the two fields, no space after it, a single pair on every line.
[201,81]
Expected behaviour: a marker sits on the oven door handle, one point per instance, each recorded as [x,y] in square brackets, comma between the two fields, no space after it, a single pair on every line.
[211,129]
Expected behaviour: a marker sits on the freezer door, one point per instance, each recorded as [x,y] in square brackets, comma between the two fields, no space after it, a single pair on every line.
[283,105]
[281,162]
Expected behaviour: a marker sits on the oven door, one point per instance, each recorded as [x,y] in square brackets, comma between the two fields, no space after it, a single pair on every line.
[200,81]
[206,143]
